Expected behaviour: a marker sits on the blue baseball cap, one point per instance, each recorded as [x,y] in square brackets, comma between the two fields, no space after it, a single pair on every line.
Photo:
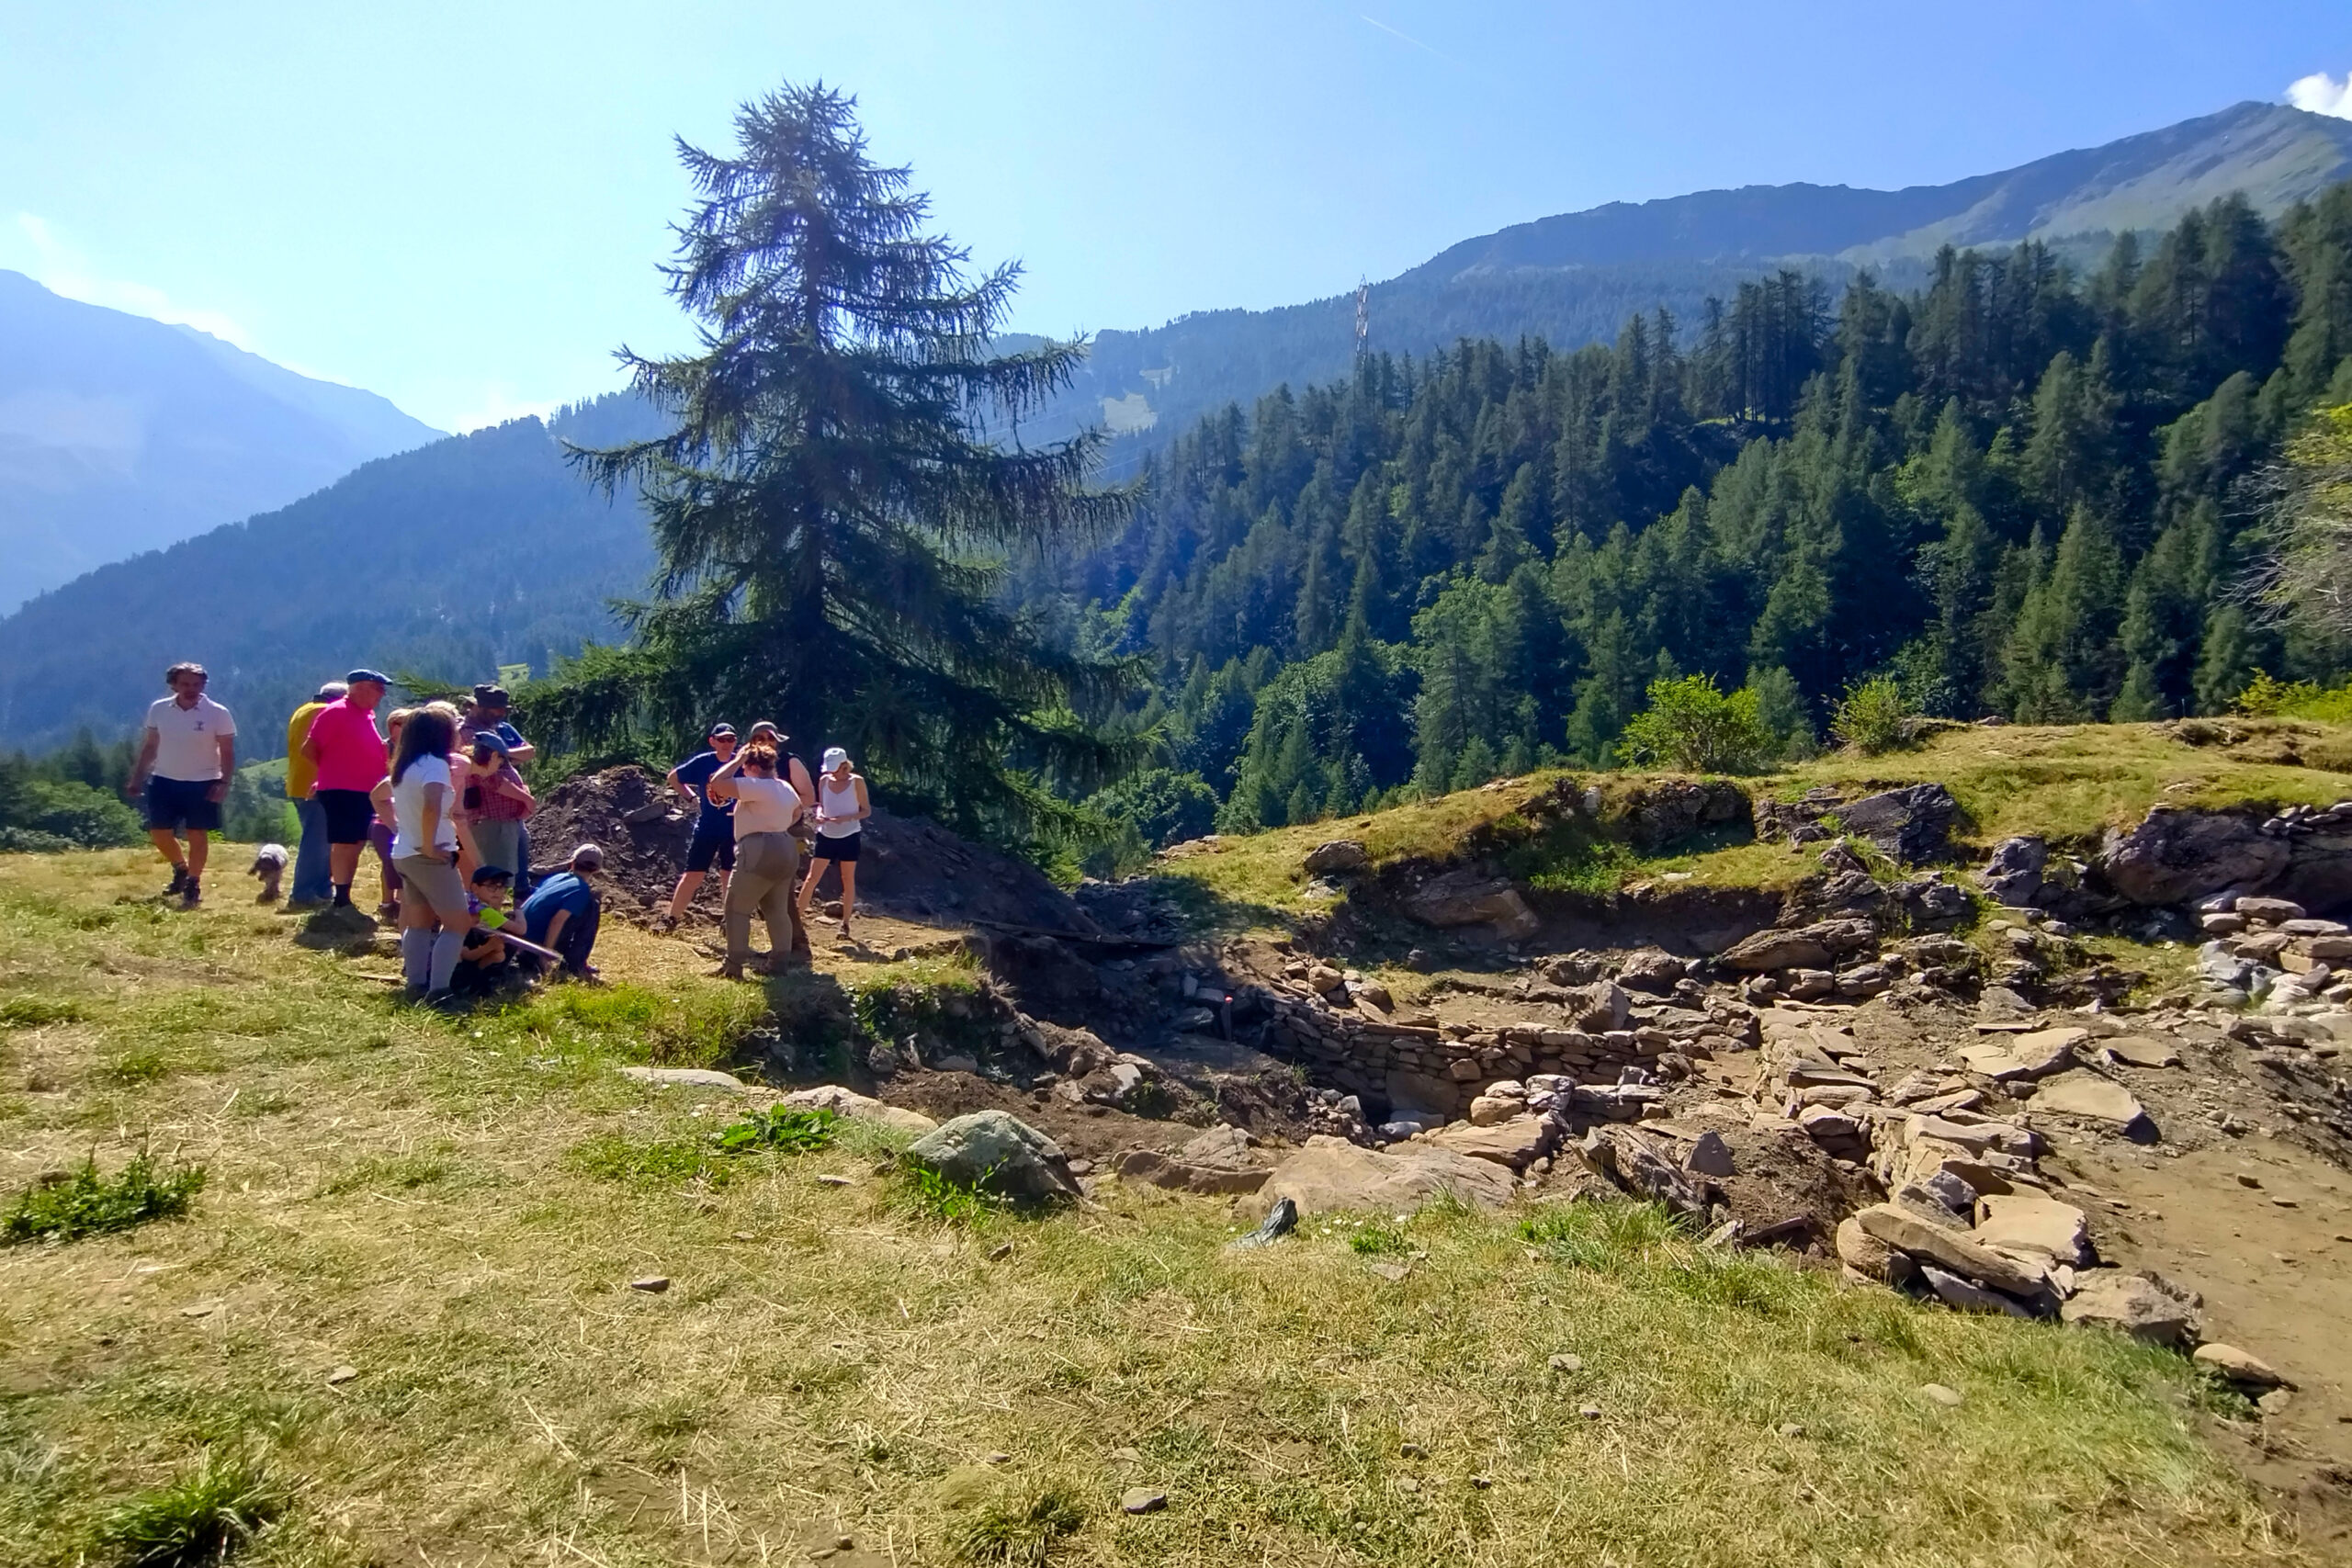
[358,675]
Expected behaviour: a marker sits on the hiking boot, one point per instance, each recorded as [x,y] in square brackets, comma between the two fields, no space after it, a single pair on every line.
[446,1001]
[190,893]
[180,882]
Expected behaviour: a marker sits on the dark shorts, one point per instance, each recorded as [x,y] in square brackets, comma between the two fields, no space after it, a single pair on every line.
[348,812]
[714,840]
[176,805]
[842,848]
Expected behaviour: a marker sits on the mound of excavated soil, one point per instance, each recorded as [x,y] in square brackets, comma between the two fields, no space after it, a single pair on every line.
[908,866]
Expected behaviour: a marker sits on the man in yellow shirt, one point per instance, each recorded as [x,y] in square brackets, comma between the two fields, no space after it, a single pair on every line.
[311,887]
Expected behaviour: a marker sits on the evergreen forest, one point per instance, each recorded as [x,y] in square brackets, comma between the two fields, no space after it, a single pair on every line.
[2023,489]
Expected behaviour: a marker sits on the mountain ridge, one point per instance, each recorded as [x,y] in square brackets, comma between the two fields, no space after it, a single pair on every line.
[121,434]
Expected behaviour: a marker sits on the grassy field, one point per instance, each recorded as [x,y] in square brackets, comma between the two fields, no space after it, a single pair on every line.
[398,1321]
[2066,783]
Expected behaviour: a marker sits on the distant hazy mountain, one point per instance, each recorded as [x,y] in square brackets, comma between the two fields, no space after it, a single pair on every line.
[1575,278]
[475,551]
[119,433]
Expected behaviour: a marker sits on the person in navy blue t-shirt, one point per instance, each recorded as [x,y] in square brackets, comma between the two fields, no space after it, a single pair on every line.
[563,912]
[714,838]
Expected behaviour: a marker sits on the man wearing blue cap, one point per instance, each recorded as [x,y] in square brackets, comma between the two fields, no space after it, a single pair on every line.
[348,752]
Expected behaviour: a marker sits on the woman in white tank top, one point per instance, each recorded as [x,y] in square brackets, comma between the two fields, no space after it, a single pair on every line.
[842,810]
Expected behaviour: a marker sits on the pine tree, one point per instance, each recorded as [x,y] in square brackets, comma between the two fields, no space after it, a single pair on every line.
[830,508]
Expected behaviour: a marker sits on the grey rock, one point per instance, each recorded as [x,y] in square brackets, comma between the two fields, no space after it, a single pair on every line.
[1336,857]
[2174,856]
[2144,1305]
[1710,1156]
[1911,824]
[1143,1500]
[1636,1162]
[1467,898]
[695,1078]
[1955,1292]
[2013,873]
[998,1151]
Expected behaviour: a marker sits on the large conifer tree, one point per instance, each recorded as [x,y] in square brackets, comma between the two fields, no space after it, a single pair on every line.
[841,482]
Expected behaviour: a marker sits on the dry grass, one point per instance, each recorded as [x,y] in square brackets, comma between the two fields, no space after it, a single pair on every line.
[2067,783]
[389,1193]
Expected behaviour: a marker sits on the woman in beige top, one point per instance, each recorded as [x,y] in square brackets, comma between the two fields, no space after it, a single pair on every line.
[767,857]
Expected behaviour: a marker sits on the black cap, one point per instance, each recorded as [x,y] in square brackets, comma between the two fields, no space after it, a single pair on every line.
[490,696]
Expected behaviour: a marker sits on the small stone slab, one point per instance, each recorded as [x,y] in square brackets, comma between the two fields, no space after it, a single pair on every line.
[652,1284]
[2139,1051]
[2241,1367]
[695,1078]
[2090,1096]
[1947,1397]
[341,1375]
[2020,1221]
[1143,1499]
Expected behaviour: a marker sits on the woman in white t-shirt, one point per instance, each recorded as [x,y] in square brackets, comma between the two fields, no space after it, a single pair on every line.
[767,857]
[420,800]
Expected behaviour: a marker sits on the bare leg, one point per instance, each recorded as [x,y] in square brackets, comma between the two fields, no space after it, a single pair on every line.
[167,844]
[199,845]
[848,869]
[689,884]
[808,886]
[343,863]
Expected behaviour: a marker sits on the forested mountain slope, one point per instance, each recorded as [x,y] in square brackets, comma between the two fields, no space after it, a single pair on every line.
[119,433]
[1572,279]
[476,551]
[2015,489]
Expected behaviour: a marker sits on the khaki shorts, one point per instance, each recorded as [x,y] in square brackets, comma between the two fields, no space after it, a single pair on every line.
[434,879]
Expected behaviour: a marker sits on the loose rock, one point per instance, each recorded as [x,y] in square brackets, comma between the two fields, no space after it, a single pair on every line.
[998,1150]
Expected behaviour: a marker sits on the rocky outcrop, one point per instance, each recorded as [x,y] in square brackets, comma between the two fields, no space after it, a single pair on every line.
[2014,875]
[1468,898]
[1911,824]
[2176,855]
[1808,947]
[1331,1175]
[1220,1161]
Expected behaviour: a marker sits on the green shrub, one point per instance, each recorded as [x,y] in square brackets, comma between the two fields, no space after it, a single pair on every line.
[85,1204]
[1874,716]
[203,1517]
[2266,696]
[1693,727]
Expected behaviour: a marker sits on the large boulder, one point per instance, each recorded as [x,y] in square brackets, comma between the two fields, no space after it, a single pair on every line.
[2146,1306]
[1331,1175]
[1337,858]
[1516,1141]
[1468,898]
[1219,1161]
[998,1152]
[2176,855]
[1816,946]
[1911,824]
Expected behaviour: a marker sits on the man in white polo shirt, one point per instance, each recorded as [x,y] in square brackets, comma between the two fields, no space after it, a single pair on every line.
[187,758]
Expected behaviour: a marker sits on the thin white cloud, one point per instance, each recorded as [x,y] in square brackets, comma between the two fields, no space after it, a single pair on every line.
[1395,33]
[57,267]
[2322,94]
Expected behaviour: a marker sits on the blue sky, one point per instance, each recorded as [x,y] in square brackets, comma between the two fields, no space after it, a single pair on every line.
[461,206]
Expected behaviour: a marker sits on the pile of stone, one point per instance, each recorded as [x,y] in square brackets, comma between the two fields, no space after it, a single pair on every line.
[2268,950]
[1592,1043]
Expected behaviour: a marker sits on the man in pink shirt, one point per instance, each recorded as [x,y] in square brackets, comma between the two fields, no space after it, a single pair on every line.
[349,753]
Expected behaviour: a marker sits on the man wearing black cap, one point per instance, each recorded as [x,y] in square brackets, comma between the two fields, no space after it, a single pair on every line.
[714,836]
[348,752]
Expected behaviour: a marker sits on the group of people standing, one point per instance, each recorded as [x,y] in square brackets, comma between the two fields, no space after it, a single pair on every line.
[755,806]
[435,793]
